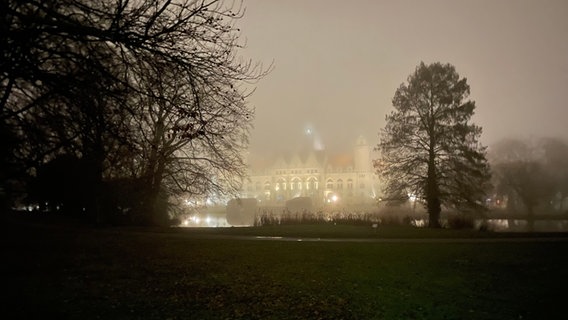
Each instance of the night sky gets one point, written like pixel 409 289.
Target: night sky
pixel 337 65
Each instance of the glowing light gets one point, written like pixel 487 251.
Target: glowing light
pixel 418 223
pixel 334 198
pixel 205 221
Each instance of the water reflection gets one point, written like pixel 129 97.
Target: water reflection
pixel 521 225
pixel 212 220
pixel 510 225
pixel 205 220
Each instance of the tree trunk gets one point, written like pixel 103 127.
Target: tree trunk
pixel 530 219
pixel 433 194
pixel 153 211
pixel 434 210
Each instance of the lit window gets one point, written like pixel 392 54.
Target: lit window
pixel 281 185
pixel 312 184
pixel 296 184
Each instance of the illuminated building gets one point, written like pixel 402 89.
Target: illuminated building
pixel 343 180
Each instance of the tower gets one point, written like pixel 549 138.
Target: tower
pixel 362 155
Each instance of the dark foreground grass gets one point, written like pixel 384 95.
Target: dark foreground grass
pixel 362 232
pixel 84 273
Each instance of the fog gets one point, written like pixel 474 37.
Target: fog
pixel 337 65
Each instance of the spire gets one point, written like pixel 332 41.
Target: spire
pixel 361 141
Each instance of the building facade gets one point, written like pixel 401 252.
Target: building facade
pixel 342 180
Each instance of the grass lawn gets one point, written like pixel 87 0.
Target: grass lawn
pixel 78 272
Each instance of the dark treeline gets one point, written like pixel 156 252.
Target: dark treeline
pixel 111 108
pixel 530 177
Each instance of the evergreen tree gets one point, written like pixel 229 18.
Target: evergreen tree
pixel 429 149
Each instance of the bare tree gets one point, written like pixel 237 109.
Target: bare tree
pixel 530 174
pixel 429 148
pixel 159 81
pixel 555 152
pixel 191 139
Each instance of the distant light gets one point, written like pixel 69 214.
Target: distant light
pixel 334 198
pixel 418 223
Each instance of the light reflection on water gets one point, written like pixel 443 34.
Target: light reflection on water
pixel 511 225
pixel 521 225
pixel 205 221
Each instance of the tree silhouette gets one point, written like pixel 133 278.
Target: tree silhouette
pixel 429 149
pixel 531 174
pixel 126 85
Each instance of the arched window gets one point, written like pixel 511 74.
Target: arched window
pixel 280 184
pixel 312 184
pixel 296 184
pixel 349 184
pixel 329 184
pixel 267 186
pixel 339 184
